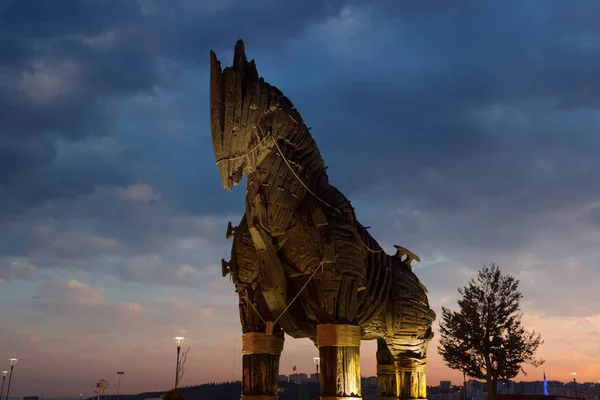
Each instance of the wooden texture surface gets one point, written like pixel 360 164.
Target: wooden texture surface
pixel 386 371
pixel 260 374
pixel 299 256
pixel 340 371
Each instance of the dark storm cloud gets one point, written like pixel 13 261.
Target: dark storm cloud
pixel 64 66
pixel 131 234
pixel 472 113
pixel 491 105
pixel 63 179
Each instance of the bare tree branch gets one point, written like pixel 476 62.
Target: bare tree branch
pixel 182 360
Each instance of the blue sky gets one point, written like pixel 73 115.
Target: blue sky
pixel 464 131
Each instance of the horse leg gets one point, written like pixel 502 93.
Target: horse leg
pixel 386 372
pixel 339 349
pixel 260 352
pixel 411 382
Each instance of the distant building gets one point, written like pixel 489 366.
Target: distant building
pixel 298 378
pixel 283 379
pixel 445 386
pixel 370 381
pixel 532 397
pixel 506 387
pixel 476 390
pixel 369 388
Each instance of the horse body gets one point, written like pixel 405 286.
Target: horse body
pixel 300 258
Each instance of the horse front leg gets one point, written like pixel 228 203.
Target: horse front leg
pixel 260 351
pixel 338 340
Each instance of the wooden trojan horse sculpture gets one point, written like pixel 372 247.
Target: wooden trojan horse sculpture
pixel 301 262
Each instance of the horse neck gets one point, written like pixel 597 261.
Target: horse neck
pixel 294 156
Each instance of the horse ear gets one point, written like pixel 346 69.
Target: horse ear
pixel 240 63
pixel 239 55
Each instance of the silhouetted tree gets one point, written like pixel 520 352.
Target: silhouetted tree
pixel 485 338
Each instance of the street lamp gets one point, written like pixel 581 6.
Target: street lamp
pixel 316 360
pixel 3 379
pixel 80 394
pixel 178 340
pixel 574 374
pixel 13 362
pixel 119 384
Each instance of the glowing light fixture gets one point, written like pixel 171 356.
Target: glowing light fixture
pixel 13 362
pixel 179 340
pixel 3 379
pixel 120 373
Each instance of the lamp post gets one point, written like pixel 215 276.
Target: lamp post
pixel 80 394
pixel 3 379
pixel 574 374
pixel 120 373
pixel 317 360
pixel 13 362
pixel 465 385
pixel 178 340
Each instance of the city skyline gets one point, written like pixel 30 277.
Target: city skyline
pixel 463 132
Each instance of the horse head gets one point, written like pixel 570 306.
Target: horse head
pixel 247 116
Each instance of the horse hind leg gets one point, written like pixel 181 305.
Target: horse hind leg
pixel 410 368
pixel 386 372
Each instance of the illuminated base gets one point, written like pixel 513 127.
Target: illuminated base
pixel 340 398
pixel 339 357
pixel 260 360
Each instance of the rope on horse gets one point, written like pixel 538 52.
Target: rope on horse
pixel 300 180
pixel 245 154
pixel 297 177
pixel 267 323
pixel 314 194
